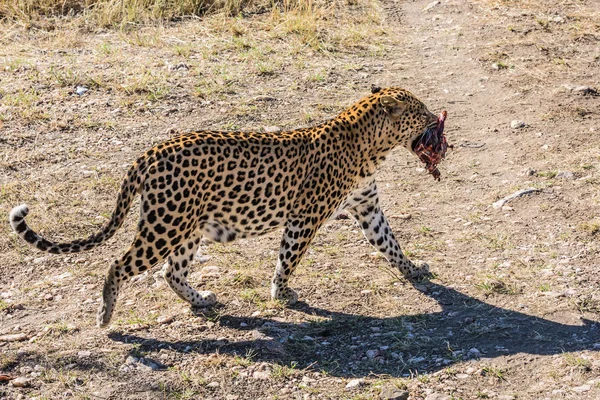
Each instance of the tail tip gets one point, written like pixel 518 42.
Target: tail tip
pixel 18 213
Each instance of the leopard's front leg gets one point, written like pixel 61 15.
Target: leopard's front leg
pixel 296 237
pixel 366 211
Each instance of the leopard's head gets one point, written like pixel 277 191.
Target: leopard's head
pixel 409 117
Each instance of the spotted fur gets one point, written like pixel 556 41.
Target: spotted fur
pixel 229 185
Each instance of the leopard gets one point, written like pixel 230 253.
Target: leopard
pixel 222 186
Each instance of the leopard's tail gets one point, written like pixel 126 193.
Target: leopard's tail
pixel 129 189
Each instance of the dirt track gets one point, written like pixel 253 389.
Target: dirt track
pixel 513 309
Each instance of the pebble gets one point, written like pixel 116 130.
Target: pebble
pixel 202 258
pixel 84 354
pixel 393 393
pixel 17 337
pixel 21 382
pixel 165 319
pixel 371 354
pixel 213 385
pixel 566 175
pixel 580 89
pixel 516 124
pixel 431 5
pixel 154 366
pixel 355 383
pixel 577 389
pixel 264 97
pixel 261 375
pixel 81 90
pixel 210 272
pixel 271 129
pixel 474 353
pixel 437 396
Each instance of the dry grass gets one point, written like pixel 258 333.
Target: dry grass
pixel 105 13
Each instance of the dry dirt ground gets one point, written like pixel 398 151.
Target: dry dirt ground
pixel 513 309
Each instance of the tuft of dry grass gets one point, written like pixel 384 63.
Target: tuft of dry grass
pixel 106 13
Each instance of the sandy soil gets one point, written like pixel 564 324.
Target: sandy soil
pixel 512 311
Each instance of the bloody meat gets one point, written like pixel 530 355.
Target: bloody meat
pixel 431 146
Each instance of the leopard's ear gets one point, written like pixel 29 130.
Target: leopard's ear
pixel 392 106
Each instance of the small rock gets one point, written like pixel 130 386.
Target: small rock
pixel 431 5
pixel 151 364
pixel 366 291
pixel 261 375
pixel 581 89
pixel 566 175
pixel 355 383
pixel 210 272
pixel 213 385
pixel 17 337
pixel 371 354
pixel 437 396
pixel 132 360
pixel 271 129
pixel 577 389
pixel 81 90
pixel 84 354
pixel 462 376
pixel 165 319
pixel 25 370
pixel 393 393
pixel 474 353
pixel 202 258
pixel 23 382
pixel 516 124
pixel 264 98
pixel 258 335
pixel 507 208
pixel 232 397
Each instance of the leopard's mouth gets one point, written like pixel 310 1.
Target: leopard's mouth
pixel 431 146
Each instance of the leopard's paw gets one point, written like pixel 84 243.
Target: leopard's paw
pixel 419 269
pixel 287 295
pixel 205 299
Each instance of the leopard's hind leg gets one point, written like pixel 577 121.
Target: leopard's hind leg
pixel 177 272
pixel 140 256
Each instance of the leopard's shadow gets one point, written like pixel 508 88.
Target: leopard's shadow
pixel 422 342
